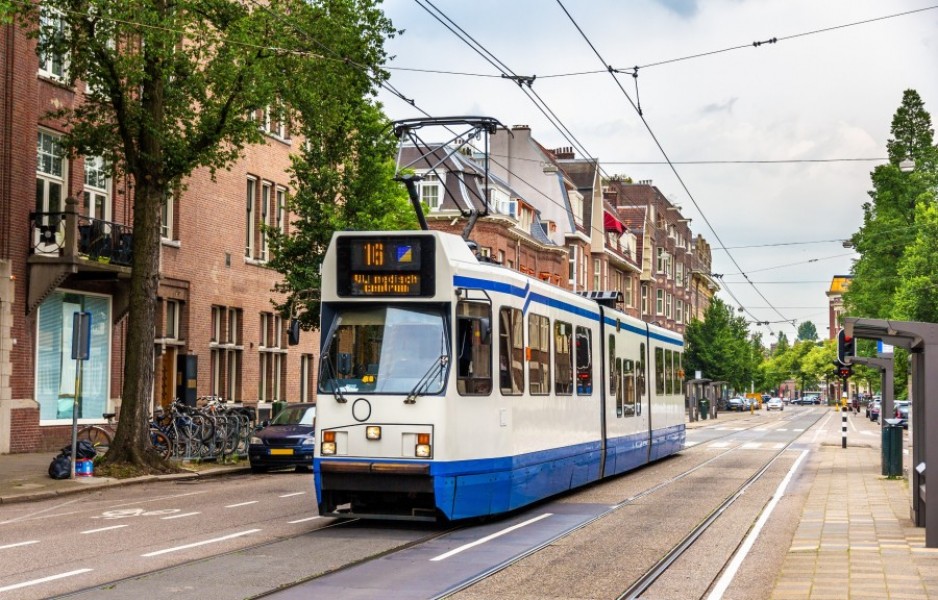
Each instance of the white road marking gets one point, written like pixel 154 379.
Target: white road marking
pixel 724 582
pixel 489 538
pixel 293 494
pixel 157 499
pixel 802 429
pixel 103 529
pixel 39 512
pixel 18 544
pixel 751 445
pixel 242 504
pixel 202 543
pixel 719 445
pixel 304 520
pixel 192 514
pixel 689 444
pixel 17 586
pixel 782 429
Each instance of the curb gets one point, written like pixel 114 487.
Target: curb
pixel 108 482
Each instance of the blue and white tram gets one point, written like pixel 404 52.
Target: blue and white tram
pixel 452 388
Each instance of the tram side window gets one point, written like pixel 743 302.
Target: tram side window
pixel 539 360
pixel 629 393
pixel 668 372
pixel 678 373
pixel 640 379
pixel 615 372
pixel 584 361
pixel 511 351
pixel 473 348
pixel 563 358
pixel 659 371
pixel 612 364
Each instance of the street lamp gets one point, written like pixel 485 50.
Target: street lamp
pixel 907 165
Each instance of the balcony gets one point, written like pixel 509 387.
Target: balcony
pixel 67 247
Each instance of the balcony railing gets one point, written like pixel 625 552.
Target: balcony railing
pixel 101 241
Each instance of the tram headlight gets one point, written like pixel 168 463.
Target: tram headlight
pixel 373 432
pixel 422 450
pixel 328 442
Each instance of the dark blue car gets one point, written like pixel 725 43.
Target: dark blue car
pixel 287 441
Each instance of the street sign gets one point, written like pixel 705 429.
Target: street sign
pixel 81 335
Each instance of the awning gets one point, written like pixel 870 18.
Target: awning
pixel 612 223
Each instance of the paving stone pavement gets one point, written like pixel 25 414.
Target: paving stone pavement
pixel 856 539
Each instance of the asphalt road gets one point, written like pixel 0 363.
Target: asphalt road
pixel 244 536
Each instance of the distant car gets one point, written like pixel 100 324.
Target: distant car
pixel 902 413
pixel 286 441
pixel 774 404
pixel 736 404
pixel 899 404
pixel 874 411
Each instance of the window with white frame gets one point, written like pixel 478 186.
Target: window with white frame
pixel 576 201
pixel 679 311
pixel 659 302
pixel 627 297
pixel 268 214
pixel 669 299
pixel 50 173
pixel 168 216
pixel 171 317
pixel 52 63
pixel 97 193
pixel 307 384
pixel 250 199
pixel 226 348
pixel 644 299
pixel 272 357
pixel 660 260
pixel 597 274
pixel 281 222
pixel 679 277
pixel 430 190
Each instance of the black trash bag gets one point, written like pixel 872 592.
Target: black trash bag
pixel 84 449
pixel 60 467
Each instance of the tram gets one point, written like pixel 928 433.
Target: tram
pixel 452 388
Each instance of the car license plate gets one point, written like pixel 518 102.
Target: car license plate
pixel 281 450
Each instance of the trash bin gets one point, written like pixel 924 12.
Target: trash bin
pixel 892 448
pixel 704 408
pixel 276 408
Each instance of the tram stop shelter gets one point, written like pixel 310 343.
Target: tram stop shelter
pixel 921 339
pixel 702 397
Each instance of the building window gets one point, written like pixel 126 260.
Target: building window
pixel 268 214
pixel 50 173
pixel 250 199
pixel 52 63
pixel 281 221
pixel 659 261
pixel 272 369
pixel 307 384
pixel 56 371
pixel 597 274
pixel 226 353
pixel 430 191
pixel 659 302
pixel 644 299
pixel 679 311
pixel 168 217
pixel 97 193
pixel 668 302
pixel 627 296
pixel 679 277
pixel 571 256
pixel 171 319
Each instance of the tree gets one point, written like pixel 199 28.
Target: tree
pixel 719 346
pixel 889 222
pixel 352 161
pixel 174 86
pixel 807 331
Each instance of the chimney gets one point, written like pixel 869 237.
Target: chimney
pixel 564 153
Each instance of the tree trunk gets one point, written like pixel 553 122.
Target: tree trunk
pixel 132 438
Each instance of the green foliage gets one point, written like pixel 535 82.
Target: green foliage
pixel 719 347
pixel 351 160
pixel 807 331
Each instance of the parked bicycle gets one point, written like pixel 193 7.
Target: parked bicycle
pixel 101 436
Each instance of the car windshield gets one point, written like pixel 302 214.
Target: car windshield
pixel 296 415
pixel 386 350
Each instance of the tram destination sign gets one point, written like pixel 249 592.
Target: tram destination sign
pixel 385 266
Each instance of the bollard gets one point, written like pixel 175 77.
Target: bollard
pixel 843 427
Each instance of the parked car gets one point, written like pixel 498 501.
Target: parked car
pixel 286 441
pixel 736 404
pixel 902 413
pixel 774 404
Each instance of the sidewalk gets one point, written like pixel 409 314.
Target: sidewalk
pixel 25 477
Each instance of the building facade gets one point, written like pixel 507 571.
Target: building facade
pixel 66 243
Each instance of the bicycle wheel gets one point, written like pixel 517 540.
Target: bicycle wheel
pixel 99 437
pixel 159 443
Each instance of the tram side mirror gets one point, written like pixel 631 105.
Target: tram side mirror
pixel 344 365
pixel 293 332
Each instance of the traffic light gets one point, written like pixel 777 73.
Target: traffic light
pixel 846 347
pixel 845 371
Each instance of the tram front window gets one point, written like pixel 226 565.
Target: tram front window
pixel 386 350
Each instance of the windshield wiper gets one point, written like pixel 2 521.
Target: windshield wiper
pixel 333 383
pixel 422 385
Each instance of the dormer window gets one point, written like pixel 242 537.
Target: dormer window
pixel 430 190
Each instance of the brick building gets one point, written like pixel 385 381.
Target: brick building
pixel 65 245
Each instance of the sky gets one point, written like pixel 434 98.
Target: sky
pixel 772 144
